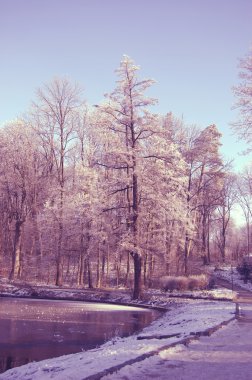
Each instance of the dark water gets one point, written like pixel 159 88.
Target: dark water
pixel 32 330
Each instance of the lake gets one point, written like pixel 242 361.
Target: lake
pixel 35 329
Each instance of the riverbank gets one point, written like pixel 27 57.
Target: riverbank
pixel 184 319
pixel 153 298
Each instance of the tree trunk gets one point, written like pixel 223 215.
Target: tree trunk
pixel 151 268
pixel 186 254
pixel 98 275
pixel 208 239
pixel 146 264
pixel 80 275
pixel 223 242
pixel 136 255
pixel 16 254
pixel 36 232
pixel 204 238
pixel 168 246
pixel 103 268
pixel 90 282
pixel 127 270
pixel 108 265
pixel 248 235
pixel 84 244
pixel 137 259
pixel 59 264
pixel 145 260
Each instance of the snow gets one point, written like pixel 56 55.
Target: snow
pixel 231 275
pixel 185 318
pixel 224 356
pixel 153 297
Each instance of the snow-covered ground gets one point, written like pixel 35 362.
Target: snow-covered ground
pixel 231 275
pixel 152 297
pixel 185 318
pixel 224 356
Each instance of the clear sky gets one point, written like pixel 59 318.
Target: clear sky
pixel 191 47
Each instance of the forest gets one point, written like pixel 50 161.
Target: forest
pixel 113 194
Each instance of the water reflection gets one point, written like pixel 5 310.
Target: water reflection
pixel 32 330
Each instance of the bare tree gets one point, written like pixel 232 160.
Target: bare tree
pixel 54 117
pixel 228 198
pixel 204 166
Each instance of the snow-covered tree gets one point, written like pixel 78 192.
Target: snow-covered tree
pixel 21 183
pixel 145 167
pixel 243 94
pixel 111 194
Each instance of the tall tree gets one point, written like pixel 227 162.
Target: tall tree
pixel 223 212
pixel 142 160
pixel 130 123
pixel 54 117
pixel 204 166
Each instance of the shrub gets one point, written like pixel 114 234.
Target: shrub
pixel 198 282
pixel 184 283
pixel 168 283
pixel 192 283
pixel 181 283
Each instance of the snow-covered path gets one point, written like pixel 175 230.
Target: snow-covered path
pixel 226 355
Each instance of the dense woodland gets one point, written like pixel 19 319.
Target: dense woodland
pixel 114 194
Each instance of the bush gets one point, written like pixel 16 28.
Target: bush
pixel 184 283
pixel 192 283
pixel 202 281
pixel 181 283
pixel 198 282
pixel 168 283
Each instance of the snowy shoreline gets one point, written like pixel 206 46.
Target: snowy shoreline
pixel 153 298
pixel 183 320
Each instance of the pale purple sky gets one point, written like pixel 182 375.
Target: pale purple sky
pixel 191 47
